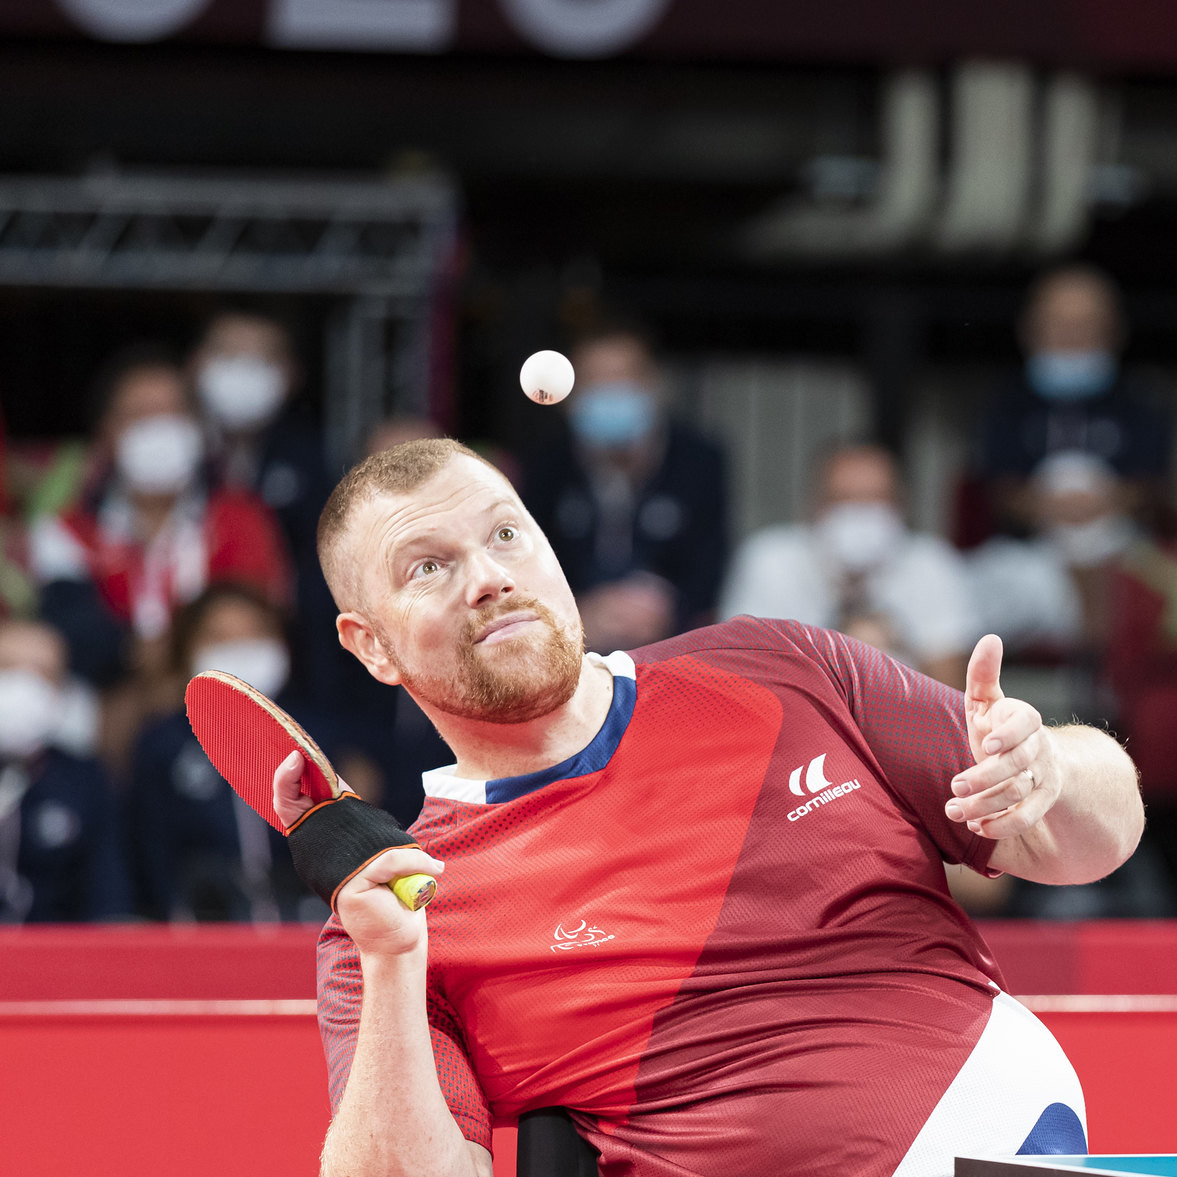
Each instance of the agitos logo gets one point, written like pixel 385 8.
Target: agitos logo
pixel 582 936
pixel 823 791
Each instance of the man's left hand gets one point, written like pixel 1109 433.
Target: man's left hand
pixel 1015 780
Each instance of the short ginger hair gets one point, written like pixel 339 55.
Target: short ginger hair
pixel 390 472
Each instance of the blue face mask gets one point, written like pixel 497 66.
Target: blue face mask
pixel 615 414
pixel 1070 375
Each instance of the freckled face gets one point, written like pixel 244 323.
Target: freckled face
pixel 466 599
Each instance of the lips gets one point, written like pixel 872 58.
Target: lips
pixel 506 621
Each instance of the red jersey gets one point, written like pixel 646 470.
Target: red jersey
pixel 721 934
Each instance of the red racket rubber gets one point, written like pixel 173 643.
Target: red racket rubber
pixel 246 736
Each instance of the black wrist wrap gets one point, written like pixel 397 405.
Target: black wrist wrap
pixel 336 839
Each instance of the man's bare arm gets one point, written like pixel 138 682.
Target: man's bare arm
pixel 393 1120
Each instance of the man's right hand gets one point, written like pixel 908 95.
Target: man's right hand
pixel 371 914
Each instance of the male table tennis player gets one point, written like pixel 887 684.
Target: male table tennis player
pixel 694 894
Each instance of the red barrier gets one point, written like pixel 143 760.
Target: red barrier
pixel 135 1052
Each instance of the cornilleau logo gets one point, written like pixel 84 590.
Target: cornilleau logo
pixel 823 791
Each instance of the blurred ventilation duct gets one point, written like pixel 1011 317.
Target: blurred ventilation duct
pixel 907 189
pixel 1020 153
pixel 1070 130
pixel 987 191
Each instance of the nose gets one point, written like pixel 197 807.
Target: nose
pixel 488 581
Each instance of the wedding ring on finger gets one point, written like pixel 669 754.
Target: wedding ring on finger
pixel 1028 773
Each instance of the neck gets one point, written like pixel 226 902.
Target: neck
pixel 487 751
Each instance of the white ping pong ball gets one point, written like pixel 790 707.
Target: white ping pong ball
pixel 547 377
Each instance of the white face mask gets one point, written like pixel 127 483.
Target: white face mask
pixel 264 663
pixel 159 454
pixel 858 536
pixel 241 392
pixel 29 711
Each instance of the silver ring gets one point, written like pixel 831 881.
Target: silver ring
pixel 1030 773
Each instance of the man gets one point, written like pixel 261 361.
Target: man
pixel 633 501
pixel 246 376
pixel 696 895
pixel 856 565
pixel 1074 395
pixel 61 850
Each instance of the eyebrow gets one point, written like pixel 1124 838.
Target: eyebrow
pixel 415 543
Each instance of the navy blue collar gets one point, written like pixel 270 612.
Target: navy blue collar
pixel 588 760
pixel 442 782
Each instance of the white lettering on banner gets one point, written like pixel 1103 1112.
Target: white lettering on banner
pixel 584 28
pixel 132 20
pixel 422 26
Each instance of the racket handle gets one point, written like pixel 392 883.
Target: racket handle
pixel 414 891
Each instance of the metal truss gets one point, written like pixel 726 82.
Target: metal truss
pixel 299 236
pixel 380 246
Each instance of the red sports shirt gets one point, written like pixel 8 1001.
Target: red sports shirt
pixel 721 934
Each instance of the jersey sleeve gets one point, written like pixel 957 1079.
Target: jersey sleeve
pixel 915 728
pixel 341 989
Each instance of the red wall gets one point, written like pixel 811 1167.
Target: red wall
pixel 187 1052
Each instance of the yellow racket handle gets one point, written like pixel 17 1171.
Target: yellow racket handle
pixel 414 891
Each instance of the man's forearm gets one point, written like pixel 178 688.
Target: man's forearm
pixel 1096 822
pixel 393 1120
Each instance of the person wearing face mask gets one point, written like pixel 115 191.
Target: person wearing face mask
pixel 198 852
pixel 246 379
pixel 856 567
pixel 633 500
pixel 1073 395
pixel 148 532
pixel 61 852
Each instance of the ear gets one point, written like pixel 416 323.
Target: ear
pixel 356 636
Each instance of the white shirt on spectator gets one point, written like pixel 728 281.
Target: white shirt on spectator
pixel 921 587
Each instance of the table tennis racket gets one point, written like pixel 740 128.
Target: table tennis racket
pixel 247 735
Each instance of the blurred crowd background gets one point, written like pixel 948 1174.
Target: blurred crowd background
pixel 871 309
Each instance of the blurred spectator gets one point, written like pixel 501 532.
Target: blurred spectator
pixel 261 440
pixel 856 567
pixel 1048 595
pixel 1073 395
pixel 199 852
pixel 633 500
pixel 61 856
pixel 148 534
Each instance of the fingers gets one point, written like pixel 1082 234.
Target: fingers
pixel 1013 732
pixel 397 863
pixel 982 678
pixel 1007 810
pixel 289 802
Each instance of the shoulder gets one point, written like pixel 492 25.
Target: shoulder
pixel 777 637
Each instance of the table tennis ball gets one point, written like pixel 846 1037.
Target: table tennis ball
pixel 546 377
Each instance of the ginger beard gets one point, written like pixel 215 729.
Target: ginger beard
pixel 515 681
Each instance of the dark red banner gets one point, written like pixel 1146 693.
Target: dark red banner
pixel 1109 34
